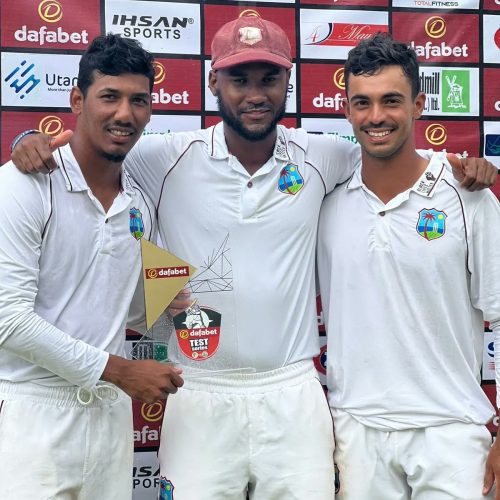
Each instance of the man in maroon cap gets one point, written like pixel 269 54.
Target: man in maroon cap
pixel 240 201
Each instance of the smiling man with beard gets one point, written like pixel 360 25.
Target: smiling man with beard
pixel 240 201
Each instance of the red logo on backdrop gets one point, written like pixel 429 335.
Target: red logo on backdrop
pixel 320 360
pixel 447 37
pixel 320 316
pixel 50 11
pixel 491 92
pixel 435 134
pixel 322 88
pixel 491 4
pixel 365 3
pixel 452 136
pixel 339 79
pixel 13 122
pixel 435 27
pixel 497 38
pixel 177 84
pixel 159 72
pixel 152 412
pixel 343 34
pixel 50 23
pixel 51 125
pixel 148 418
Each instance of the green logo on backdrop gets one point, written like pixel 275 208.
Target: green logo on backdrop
pixel 456 91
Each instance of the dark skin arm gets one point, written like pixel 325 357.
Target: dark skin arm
pixel 492 474
pixel 144 380
pixel 33 154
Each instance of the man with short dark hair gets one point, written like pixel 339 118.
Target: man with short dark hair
pixel 69 265
pixel 409 269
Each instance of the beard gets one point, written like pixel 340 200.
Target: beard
pixel 114 157
pixel 236 124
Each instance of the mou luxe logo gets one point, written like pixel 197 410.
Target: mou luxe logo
pixel 51 125
pixel 436 134
pixel 342 34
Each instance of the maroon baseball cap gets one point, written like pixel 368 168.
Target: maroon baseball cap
pixel 250 39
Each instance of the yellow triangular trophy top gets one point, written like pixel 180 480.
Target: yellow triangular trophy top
pixel 164 277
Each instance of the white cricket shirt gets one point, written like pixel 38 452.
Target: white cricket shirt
pixel 252 239
pixel 68 272
pixel 405 288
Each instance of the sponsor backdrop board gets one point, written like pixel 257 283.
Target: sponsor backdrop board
pixel 457 42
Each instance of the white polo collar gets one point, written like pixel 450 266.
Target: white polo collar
pixel 217 147
pixel 74 179
pixel 425 185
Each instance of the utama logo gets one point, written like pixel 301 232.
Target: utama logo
pixel 164 97
pixel 332 102
pixel 51 125
pixel 50 11
pixel 435 28
pixel 436 134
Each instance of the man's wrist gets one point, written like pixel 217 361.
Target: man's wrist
pixel 20 136
pixel 114 369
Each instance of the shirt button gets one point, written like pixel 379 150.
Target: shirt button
pixel 382 213
pixel 249 184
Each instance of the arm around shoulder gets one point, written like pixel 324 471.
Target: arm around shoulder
pixel 335 156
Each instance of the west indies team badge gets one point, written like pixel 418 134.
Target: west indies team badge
pixel 431 223
pixel 198 332
pixel 136 223
pixel 290 180
pixel 166 491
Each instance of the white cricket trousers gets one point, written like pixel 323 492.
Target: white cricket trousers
pixel 444 462
pixel 53 447
pixel 269 431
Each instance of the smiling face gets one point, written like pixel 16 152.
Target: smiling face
pixel 251 97
pixel 382 111
pixel 112 114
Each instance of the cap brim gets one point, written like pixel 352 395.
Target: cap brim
pixel 251 56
